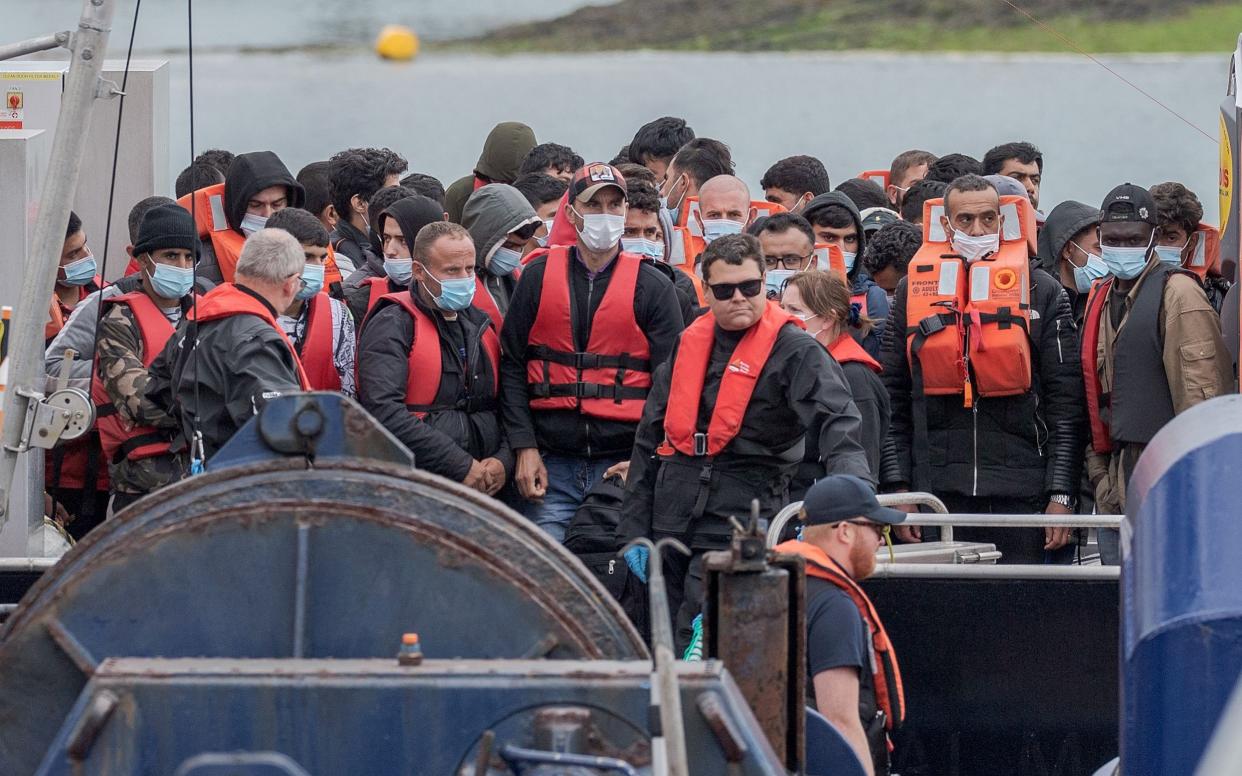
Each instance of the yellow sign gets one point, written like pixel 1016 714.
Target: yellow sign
pixel 1226 175
pixel 31 76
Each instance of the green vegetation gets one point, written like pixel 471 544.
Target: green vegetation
pixel 932 25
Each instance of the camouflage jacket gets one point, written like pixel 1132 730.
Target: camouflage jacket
pixel 119 354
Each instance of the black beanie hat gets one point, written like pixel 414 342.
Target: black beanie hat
pixel 166 226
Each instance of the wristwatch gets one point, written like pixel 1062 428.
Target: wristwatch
pixel 1064 499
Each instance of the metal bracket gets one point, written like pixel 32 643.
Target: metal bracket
pixel 106 89
pixel 66 415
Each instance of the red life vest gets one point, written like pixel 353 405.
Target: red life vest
pixel 484 301
pixel 967 324
pixel 845 349
pixel 611 378
pixel 1097 304
pixel 889 693
pixel 227 300
pixel 121 443
pixel 422 376
pixel 207 206
pixel 58 313
pixel 736 385
pixel 379 288
pixel 318 349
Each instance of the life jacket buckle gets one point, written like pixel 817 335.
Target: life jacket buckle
pixel 930 325
pixel 700 444
pixel 590 391
pixel 586 360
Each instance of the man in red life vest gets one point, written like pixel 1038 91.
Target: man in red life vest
pixel 136 434
pixel 854 677
pixel 587 325
pixel 230 356
pixel 725 423
pixel 429 362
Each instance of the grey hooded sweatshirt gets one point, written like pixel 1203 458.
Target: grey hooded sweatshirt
pixel 491 214
pixel 1066 220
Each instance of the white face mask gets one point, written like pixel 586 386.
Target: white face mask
pixel 973 248
pixel 252 223
pixel 601 231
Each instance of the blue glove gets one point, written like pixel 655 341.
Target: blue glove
pixel 636 559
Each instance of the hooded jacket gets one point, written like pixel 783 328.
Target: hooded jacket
pixel 248 175
pixel 491 214
pixel 860 281
pixel 1066 220
pixel 412 214
pixel 506 146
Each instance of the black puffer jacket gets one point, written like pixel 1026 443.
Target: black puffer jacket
pixel 1019 447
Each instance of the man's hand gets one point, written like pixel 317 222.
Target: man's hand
pixel 60 515
pixel 531 475
pixel 495 475
pixel 910 534
pixel 1056 537
pixel 621 469
pixel 477 477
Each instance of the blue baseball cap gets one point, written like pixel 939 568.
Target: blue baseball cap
pixel 845 497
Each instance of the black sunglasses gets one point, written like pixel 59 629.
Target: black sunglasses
pixel 724 291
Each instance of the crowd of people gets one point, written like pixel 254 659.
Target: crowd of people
pixel 544 327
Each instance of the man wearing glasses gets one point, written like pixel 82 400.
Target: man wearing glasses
pixel 855 679
pixel 725 420
pixel 788 244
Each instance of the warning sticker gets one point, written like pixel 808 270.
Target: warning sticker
pixel 31 76
pixel 1226 175
pixel 14 112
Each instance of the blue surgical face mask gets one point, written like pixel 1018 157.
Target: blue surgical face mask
pixel 399 271
pixel 547 227
pixel 774 280
pixel 252 223
pixel 455 293
pixel 80 272
pixel 504 261
pixel 850 257
pixel 1125 263
pixel 651 249
pixel 1171 254
pixel 171 282
pixel 1093 270
pixel 714 228
pixel 312 281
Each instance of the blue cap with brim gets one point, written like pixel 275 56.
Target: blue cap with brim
pixel 845 497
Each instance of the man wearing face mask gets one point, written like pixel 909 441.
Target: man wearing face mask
pixel 725 423
pixel 795 181
pixel 502 224
pixel 644 237
pixel 697 162
pixel 257 185
pixel 320 327
pixel 77 278
pixel 1069 248
pixel 355 175
pixel 981 364
pixel 788 248
pixel 836 221
pixel 585 328
pixel 1152 348
pixel 230 356
pixel 428 365
pixel 1184 240
pixel 372 265
pixel 136 434
pixel 397 226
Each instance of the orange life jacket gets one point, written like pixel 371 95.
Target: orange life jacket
pixel 484 301
pixel 845 349
pixel 58 313
pixel 318 349
pixel 967 325
pixel 422 376
pixel 611 379
pixel 207 206
pixel 1206 256
pixel 737 384
pixel 889 693
pixel 1097 304
pixel 121 443
pixel 331 272
pixel 830 259
pixel 227 300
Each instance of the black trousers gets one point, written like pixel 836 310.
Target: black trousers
pixel 683 579
pixel 1017 545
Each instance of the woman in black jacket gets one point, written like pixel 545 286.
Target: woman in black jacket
pixel 821 300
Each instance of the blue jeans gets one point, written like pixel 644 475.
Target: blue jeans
pixel 1110 549
pixel 569 479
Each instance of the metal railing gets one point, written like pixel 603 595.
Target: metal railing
pixel 941 517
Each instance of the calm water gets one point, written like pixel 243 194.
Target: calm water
pixel 854 111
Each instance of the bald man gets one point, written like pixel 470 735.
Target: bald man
pixel 724 207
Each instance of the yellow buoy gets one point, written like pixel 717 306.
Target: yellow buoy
pixel 397 42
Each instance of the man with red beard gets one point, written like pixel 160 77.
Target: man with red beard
pixel 855 680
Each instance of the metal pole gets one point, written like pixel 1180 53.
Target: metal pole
pixel 974 571
pixel 24 47
pixel 1038 520
pixel 87 47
